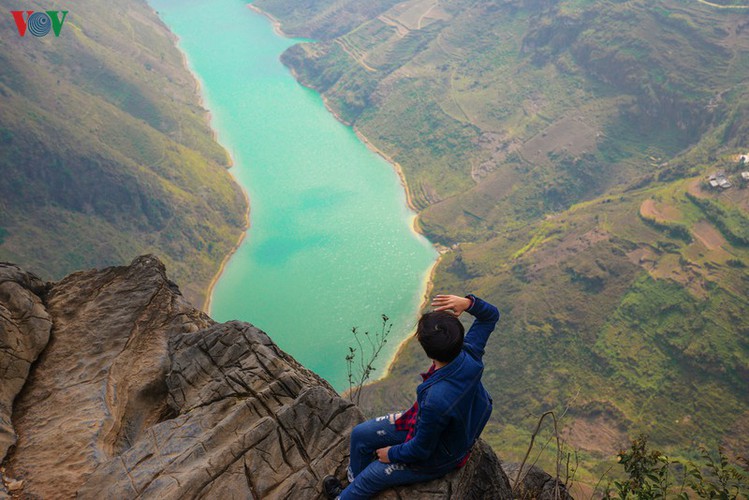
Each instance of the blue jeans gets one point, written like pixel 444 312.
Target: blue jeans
pixel 369 474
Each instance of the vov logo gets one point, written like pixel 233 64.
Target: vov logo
pixel 39 24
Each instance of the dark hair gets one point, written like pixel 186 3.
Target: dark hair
pixel 441 335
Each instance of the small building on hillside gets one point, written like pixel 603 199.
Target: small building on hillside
pixel 719 180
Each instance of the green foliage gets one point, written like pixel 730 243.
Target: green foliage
pixel 652 475
pixel 647 470
pixel 591 284
pixel 732 222
pixel 574 179
pixel 672 229
pixel 718 478
pixel 736 263
pixel 3 234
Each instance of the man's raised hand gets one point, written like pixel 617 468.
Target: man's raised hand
pixel 451 303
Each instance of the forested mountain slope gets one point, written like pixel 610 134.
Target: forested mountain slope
pixel 560 150
pixel 105 151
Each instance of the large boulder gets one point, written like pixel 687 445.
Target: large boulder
pixel 100 383
pixel 248 422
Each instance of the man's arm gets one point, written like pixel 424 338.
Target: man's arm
pixel 422 445
pixel 486 318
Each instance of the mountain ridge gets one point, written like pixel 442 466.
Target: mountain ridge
pixel 107 152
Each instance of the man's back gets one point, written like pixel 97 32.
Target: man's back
pixel 453 404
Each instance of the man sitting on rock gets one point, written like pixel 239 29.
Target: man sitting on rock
pixel 436 434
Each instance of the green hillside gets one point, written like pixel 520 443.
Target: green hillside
pixel 105 152
pixel 560 151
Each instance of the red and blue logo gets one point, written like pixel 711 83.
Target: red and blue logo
pixel 39 24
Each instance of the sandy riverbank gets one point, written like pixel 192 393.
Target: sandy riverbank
pixel 209 291
pixel 208 294
pixel 275 22
pixel 206 307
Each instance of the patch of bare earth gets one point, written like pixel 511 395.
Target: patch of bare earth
pixel 572 134
pixel 599 434
pixel 581 490
pixel 708 235
pixel 643 256
pixel 417 14
pixel 499 145
pixel 651 209
pixel 738 197
pixel 735 442
pixel 567 247
pixel 669 266
pixel 688 274
pixel 695 189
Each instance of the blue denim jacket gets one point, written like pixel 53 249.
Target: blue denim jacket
pixel 453 404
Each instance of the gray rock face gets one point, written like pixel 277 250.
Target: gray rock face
pixel 24 332
pixel 250 423
pixel 100 383
pixel 139 395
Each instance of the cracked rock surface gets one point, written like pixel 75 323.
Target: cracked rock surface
pixel 119 388
pixel 100 381
pixel 250 422
pixel 24 332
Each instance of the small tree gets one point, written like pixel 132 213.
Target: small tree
pixel 648 472
pixel 360 359
pixel 718 478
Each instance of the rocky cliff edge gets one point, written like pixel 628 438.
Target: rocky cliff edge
pixel 113 385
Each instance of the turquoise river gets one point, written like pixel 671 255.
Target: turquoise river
pixel 330 244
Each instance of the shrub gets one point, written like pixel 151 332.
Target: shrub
pixel 672 229
pixel 652 475
pixel 730 221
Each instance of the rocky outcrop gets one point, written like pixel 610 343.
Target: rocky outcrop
pixel 136 394
pixel 100 383
pixel 248 422
pixel 482 478
pixel 24 332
